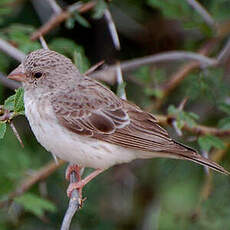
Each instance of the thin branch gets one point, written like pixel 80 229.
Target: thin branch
pixel 202 12
pixel 112 29
pixel 28 182
pixel 43 43
pixel 56 8
pixel 74 204
pixel 175 126
pixel 196 129
pixel 94 67
pixel 120 81
pixel 57 19
pixel 224 54
pixel 116 43
pixel 108 74
pixel 16 133
pixel 169 56
pixel 11 50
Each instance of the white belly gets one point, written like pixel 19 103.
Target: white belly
pixel 84 151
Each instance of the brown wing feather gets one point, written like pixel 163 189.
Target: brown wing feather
pixel 91 109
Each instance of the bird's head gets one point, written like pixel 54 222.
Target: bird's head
pixel 45 69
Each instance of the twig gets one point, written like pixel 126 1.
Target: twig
pixel 11 50
pixel 120 81
pixel 94 67
pixel 203 12
pixel 43 43
pixel 196 129
pixel 112 29
pixel 16 133
pixel 224 53
pixel 57 19
pixel 8 83
pixel 116 43
pixel 56 8
pixel 27 183
pixel 169 56
pixel 174 122
pixel 175 126
pixel 74 204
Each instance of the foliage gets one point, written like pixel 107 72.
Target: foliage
pixel 207 142
pixel 183 117
pixel 35 204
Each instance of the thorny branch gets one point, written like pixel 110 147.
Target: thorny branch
pixel 57 19
pixel 196 129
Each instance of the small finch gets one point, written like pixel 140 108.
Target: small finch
pixel 81 121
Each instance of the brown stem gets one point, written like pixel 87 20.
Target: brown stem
pixel 57 19
pixel 196 129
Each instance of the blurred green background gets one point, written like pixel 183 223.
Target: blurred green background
pixel 156 194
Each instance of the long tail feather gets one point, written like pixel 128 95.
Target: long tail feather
pixel 191 155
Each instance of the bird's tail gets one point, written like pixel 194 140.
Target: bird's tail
pixel 190 154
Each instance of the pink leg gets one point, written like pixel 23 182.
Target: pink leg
pixel 73 168
pixel 81 183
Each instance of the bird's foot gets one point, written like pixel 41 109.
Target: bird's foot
pixel 73 168
pixel 81 183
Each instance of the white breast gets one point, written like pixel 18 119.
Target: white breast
pixel 69 146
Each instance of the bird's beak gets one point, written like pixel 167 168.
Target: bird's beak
pixel 18 74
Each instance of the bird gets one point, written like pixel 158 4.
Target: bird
pixel 83 122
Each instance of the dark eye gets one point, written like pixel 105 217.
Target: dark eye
pixel 38 75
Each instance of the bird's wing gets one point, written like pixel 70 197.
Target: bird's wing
pixel 90 109
pixel 97 112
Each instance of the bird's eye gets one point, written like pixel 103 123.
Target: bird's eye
pixel 37 74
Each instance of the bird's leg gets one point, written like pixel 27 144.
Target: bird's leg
pixel 77 169
pixel 81 183
pixel 73 168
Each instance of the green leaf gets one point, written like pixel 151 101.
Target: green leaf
pixel 224 107
pixel 99 9
pixel 143 74
pixel 20 34
pixel 81 20
pixel 64 46
pixel 158 93
pixel 80 60
pixel 9 103
pixel 224 123
pixel 35 204
pixel 172 110
pixel 18 101
pixel 189 117
pixel 208 141
pixel 69 23
pixel 183 117
pixel 2 129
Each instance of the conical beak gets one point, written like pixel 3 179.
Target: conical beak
pixel 18 74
